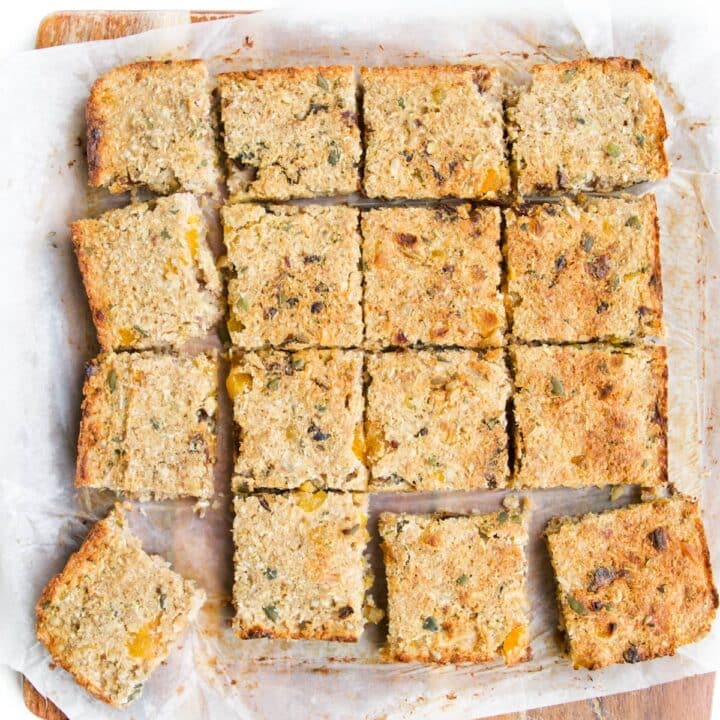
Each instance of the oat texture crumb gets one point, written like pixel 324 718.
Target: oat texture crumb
pixel 432 276
pixel 298 419
pixel 590 415
pixel 592 124
pixel 435 420
pixel 585 271
pixel 295 275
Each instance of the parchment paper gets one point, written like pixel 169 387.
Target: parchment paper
pixel 48 337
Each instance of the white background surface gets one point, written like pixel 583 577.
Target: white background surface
pixel 17 32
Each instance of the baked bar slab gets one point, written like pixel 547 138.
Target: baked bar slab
pixel 149 274
pixel 581 272
pixel 435 420
pixel 149 124
pixel 298 419
pixel 593 124
pixel 456 587
pixel 299 566
pixel 148 425
pixel 632 584
pixel 434 132
pixel 114 613
pixel 592 415
pixel 295 275
pixel 432 276
pixel 290 132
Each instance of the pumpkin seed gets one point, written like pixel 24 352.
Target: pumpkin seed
pixel 576 605
pixel 430 623
pixel 334 154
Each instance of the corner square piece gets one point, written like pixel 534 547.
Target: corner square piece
pixel 149 124
pixel 632 584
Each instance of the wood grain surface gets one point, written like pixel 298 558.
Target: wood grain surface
pixel 688 698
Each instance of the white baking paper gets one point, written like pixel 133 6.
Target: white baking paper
pixel 48 337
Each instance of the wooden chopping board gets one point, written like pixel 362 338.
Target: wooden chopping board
pixel 689 698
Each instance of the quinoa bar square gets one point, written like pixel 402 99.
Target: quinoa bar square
pixel 290 132
pixel 592 124
pixel 581 272
pixel 435 420
pixel 295 275
pixel 434 132
pixel 148 425
pixel 299 566
pixel 150 124
pixel 456 587
pixel 298 420
pixel 149 274
pixel 632 584
pixel 590 415
pixel 432 276
pixel 114 613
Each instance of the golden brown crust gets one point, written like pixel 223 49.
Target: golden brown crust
pixel 660 376
pixel 606 63
pixel 87 553
pixel 118 156
pixel 81 233
pixel 590 415
pixel 591 124
pixel 584 271
pixel 634 583
pixel 285 73
pixel 261 631
pixel 432 276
